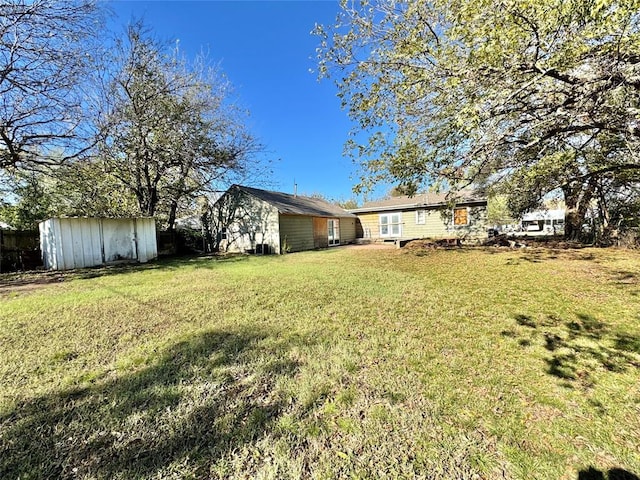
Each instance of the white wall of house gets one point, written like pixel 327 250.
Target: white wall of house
pixel 253 222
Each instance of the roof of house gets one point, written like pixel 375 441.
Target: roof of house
pixel 420 200
pixel 296 204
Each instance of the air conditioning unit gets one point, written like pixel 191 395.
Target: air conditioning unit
pixel 262 249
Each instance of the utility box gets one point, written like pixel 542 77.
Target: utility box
pixel 68 243
pixel 262 249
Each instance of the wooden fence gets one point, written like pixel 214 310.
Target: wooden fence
pixel 19 250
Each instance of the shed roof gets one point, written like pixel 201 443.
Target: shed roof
pixel 296 204
pixel 420 200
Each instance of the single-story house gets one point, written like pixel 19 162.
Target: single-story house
pixel 425 215
pixel 262 221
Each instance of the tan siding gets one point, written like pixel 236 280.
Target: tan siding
pixel 297 232
pixel 370 225
pixel 347 230
pixel 435 226
pixel 307 233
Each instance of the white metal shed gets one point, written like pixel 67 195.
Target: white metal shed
pixel 68 243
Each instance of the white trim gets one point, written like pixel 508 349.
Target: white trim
pixel 424 216
pixel 332 231
pixel 390 225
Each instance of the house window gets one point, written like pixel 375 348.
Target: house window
pixel 461 216
pixel 223 233
pixel 390 225
pixel 421 217
pixel 333 225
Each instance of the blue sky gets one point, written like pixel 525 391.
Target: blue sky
pixel 266 50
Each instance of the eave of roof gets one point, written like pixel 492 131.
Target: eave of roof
pixel 414 206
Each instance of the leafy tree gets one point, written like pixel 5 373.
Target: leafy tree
pixel 398 191
pixel 519 96
pixel 84 189
pixel 342 203
pixel 318 195
pixel 169 131
pixel 33 200
pixel 45 48
pixel 348 204
pixel 75 189
pixel 498 212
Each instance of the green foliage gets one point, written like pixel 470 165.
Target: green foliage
pixel 75 189
pixel 169 131
pixel 34 200
pixel 348 204
pixel 522 97
pixel 498 212
pixel 86 190
pixel 397 191
pixel 341 202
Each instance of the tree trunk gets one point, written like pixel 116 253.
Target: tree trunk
pixel 577 197
pixel 172 216
pixel 572 224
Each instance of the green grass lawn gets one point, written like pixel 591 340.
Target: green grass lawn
pixel 343 363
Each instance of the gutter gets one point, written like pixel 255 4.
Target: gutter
pixel 414 206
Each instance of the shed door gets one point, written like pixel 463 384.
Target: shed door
pixel 333 226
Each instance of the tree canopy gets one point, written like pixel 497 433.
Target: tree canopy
pixel 169 129
pixel 77 189
pixel 45 54
pixel 520 97
pixel 91 125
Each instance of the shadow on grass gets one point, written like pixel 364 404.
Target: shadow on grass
pixel 166 263
pixel 625 277
pixel 578 347
pixel 612 474
pixel 540 254
pixel 525 321
pixel 197 401
pixel 43 277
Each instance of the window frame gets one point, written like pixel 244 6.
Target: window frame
pixel 390 224
pixel 333 231
pixel 422 212
pixel 467 217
